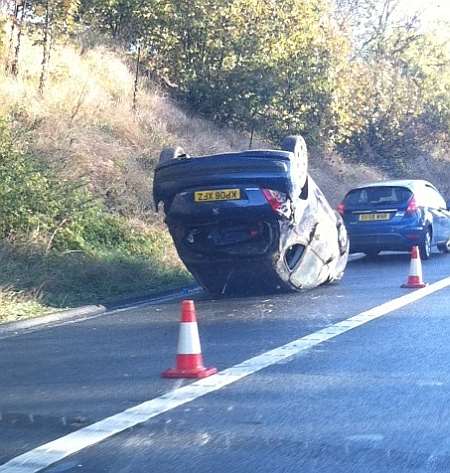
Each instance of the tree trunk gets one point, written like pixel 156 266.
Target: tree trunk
pixel 44 49
pixel 136 78
pixel 11 35
pixel 51 40
pixel 15 61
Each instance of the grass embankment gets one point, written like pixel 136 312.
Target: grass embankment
pixel 76 220
pixel 33 282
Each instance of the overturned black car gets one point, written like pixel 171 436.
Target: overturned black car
pixel 251 220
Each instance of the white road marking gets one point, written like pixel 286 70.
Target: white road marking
pixel 42 457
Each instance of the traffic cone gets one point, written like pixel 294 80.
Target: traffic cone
pixel 415 271
pixel 189 361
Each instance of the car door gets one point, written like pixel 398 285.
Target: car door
pixel 447 223
pixel 444 216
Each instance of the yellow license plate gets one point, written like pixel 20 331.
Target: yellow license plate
pixel 217 194
pixel 373 217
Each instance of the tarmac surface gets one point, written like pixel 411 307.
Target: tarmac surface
pixel 371 399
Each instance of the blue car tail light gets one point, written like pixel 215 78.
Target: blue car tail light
pixel 412 207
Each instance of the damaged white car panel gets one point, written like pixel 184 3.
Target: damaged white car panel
pixel 252 220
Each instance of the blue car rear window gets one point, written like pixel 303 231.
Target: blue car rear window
pixel 377 195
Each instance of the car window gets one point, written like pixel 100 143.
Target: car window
pixel 388 195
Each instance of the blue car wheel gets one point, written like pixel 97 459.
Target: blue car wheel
pixel 425 245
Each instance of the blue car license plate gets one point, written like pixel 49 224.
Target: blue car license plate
pixel 374 217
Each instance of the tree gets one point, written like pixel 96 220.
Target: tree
pixel 369 24
pixel 119 18
pixel 53 19
pixel 394 100
pixel 17 11
pixel 264 64
pixel 387 103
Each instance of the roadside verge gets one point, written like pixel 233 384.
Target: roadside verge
pixel 84 312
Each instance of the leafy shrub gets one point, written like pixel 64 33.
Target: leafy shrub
pixel 35 203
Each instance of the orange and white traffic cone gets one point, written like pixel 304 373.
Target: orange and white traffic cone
pixel 189 361
pixel 415 271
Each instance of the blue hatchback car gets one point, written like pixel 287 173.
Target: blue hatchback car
pixel 396 215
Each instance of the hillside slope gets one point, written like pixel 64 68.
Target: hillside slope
pixel 84 129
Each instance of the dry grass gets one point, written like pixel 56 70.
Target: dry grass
pixel 335 176
pixel 85 126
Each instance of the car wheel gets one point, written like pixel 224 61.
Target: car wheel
pixel 343 240
pixel 297 146
pixel 425 245
pixel 171 153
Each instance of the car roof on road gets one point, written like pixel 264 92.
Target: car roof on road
pixel 409 183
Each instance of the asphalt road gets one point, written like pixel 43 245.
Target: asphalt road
pixel 372 399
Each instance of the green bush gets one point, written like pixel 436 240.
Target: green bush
pixel 36 204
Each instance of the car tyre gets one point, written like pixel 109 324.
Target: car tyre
pixel 296 145
pixel 171 153
pixel 425 245
pixel 444 247
pixel 343 241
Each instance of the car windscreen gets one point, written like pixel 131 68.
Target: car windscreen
pixel 376 196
